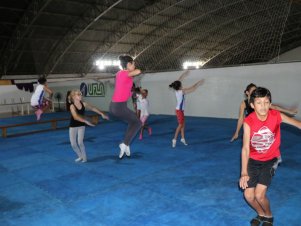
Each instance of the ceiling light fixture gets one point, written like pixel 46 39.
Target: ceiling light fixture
pixel 195 64
pixel 102 64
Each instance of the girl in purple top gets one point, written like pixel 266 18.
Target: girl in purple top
pixel 118 106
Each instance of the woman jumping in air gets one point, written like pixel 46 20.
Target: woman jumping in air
pixel 118 106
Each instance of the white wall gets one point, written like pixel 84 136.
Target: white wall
pixel 223 90
pixel 100 102
pixel 9 94
pixel 220 96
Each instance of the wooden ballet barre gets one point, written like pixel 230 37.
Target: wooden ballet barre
pixel 53 123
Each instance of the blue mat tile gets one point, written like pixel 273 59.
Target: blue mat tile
pixel 159 185
pixel 28 160
pixel 8 178
pixel 49 170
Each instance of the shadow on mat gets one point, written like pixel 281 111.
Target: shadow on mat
pixel 6 205
pixel 136 155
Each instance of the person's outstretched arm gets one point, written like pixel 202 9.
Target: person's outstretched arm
pixel 49 91
pixel 245 153
pixel 240 120
pixel 96 110
pixel 193 87
pixel 134 72
pixel 78 117
pixel 284 110
pixel 183 75
pixel 290 121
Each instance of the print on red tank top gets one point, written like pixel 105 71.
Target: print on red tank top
pixel 262 140
pixel 264 136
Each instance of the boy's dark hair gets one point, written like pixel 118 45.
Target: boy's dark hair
pixel 124 60
pixel 42 80
pixel 176 85
pixel 249 87
pixel 260 92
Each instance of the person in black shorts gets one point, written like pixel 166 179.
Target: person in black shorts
pixel 261 143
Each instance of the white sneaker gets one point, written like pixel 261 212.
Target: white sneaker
pixel 78 159
pixel 128 151
pixel 122 147
pixel 184 141
pixel 174 142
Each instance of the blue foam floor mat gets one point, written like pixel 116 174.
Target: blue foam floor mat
pixel 158 185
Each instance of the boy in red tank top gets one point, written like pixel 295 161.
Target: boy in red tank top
pixel 261 142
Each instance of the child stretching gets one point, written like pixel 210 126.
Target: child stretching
pixel 180 95
pixel 144 113
pixel 261 142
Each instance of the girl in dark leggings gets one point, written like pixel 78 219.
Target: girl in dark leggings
pixel 118 106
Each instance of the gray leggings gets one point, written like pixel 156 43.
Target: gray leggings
pixel 76 135
pixel 121 111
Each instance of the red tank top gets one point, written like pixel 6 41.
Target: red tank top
pixel 264 136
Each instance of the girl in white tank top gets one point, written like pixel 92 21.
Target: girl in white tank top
pixel 180 96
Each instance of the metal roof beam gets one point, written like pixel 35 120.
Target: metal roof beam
pixel 148 43
pixel 196 10
pixel 75 32
pixel 126 27
pixel 207 33
pixel 22 29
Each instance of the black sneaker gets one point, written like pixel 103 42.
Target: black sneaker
pixel 267 221
pixel 256 221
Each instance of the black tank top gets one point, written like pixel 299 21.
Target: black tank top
pixel 248 109
pixel 81 112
